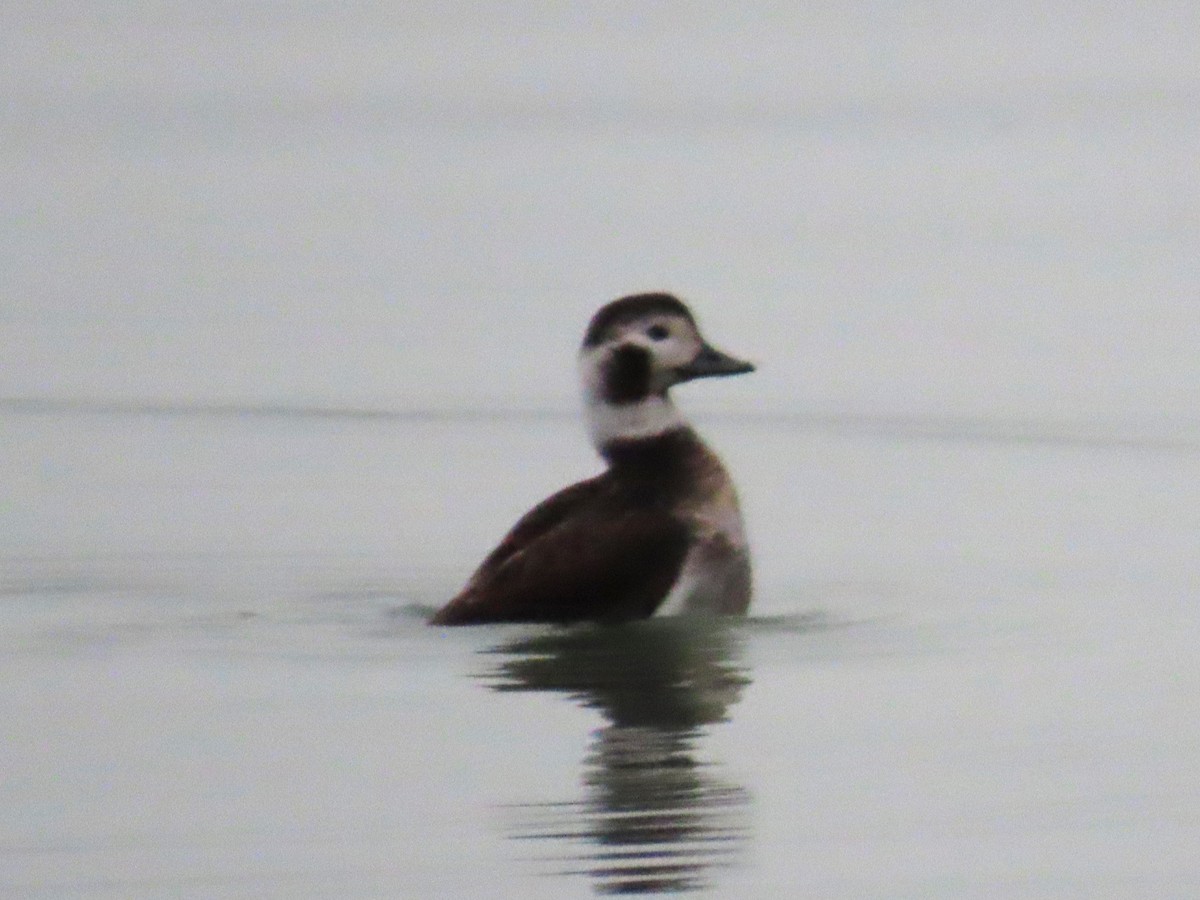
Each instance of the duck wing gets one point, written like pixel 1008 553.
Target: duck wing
pixel 586 553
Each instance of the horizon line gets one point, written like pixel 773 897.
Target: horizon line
pixel 1169 435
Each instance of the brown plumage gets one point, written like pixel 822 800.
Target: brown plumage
pixel 610 547
pixel 587 552
pixel 663 515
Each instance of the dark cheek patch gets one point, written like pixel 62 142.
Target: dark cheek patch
pixel 627 375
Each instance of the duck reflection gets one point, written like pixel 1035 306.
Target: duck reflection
pixel 655 816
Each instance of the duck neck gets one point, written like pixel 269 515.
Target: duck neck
pixel 663 456
pixel 611 424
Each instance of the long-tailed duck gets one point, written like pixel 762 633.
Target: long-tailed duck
pixel 660 531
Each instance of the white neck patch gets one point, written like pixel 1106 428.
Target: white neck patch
pixel 609 422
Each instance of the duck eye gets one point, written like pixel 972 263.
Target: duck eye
pixel 658 332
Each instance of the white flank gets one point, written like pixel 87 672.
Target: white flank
pixel 690 576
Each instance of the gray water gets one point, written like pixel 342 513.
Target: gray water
pixel 290 295
pixel 968 672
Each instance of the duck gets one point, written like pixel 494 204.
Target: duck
pixel 660 530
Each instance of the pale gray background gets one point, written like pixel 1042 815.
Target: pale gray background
pixel 905 209
pixel 960 240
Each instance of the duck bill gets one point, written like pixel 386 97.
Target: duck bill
pixel 712 363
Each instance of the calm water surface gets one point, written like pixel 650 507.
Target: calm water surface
pixel 970 671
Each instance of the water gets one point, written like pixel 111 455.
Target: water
pixel 968 671
pixel 289 303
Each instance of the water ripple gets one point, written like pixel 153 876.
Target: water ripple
pixel 655 815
